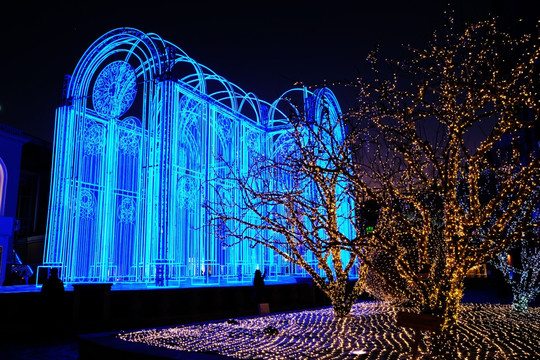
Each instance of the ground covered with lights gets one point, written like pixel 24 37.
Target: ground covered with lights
pixel 485 332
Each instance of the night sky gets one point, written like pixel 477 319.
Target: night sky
pixel 264 47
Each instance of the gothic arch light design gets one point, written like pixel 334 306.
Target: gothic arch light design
pixel 137 140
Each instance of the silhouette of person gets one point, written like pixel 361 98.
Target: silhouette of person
pixel 53 292
pixel 260 290
pixel 53 285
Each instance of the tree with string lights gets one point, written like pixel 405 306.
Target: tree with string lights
pixel 522 274
pixel 431 131
pixel 297 202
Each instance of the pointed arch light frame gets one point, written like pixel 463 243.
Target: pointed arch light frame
pixel 136 140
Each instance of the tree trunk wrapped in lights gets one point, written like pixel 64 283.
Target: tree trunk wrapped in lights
pixel 296 201
pixel 428 136
pixel 522 273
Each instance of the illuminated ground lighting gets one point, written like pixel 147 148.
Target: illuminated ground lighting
pixel 485 332
pixel 359 352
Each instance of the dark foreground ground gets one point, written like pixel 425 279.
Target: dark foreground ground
pixel 22 345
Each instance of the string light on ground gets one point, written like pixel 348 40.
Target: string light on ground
pixel 370 332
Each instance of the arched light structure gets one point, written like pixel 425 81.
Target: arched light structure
pixel 141 133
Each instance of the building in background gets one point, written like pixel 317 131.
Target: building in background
pixel 25 170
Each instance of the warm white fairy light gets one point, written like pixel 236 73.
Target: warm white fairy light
pixel 409 148
pixel 455 182
pixel 484 332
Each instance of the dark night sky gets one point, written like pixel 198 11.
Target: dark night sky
pixel 263 47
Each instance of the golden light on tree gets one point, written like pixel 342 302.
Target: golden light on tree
pixel 433 159
pixel 439 147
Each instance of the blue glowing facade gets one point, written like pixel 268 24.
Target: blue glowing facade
pixel 140 142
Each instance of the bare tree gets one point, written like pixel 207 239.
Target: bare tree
pixel 295 201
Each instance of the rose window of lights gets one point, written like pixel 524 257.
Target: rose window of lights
pixel 115 89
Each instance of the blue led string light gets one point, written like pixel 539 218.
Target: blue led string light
pixel 138 142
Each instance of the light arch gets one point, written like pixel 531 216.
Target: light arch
pixel 129 179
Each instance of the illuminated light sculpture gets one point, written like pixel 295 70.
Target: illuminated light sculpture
pixel 139 140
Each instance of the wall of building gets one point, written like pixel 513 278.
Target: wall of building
pixel 25 182
pixel 11 142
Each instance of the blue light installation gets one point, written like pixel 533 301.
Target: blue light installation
pixel 115 89
pixel 139 139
